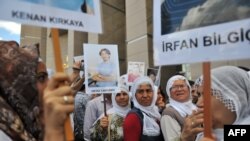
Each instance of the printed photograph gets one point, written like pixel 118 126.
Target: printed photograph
pixel 85 6
pixel 152 73
pixel 101 68
pixel 135 70
pixel 179 15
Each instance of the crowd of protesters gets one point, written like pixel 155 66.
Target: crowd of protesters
pixel 34 107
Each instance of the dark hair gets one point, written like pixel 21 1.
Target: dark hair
pixel 244 68
pixel 191 82
pixel 82 88
pixel 84 7
pixel 164 95
pixel 1 91
pixel 151 72
pixel 106 50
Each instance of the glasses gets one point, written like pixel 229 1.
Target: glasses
pixel 42 77
pixel 177 87
pixel 142 91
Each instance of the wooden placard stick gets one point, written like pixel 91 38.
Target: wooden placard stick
pixel 59 68
pixel 207 100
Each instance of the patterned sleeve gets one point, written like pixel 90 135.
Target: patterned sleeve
pixel 79 112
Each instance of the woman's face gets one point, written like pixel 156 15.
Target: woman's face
pixel 144 94
pixel 159 95
pixel 105 56
pixel 221 115
pixel 122 99
pixel 194 94
pixel 180 91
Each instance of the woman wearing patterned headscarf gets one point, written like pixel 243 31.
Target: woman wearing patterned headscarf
pixel 19 104
pixel 19 96
pixel 180 105
pixel 109 128
pixel 142 122
pixel 230 100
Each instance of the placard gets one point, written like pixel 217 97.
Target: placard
pixel 188 31
pixel 101 68
pixel 80 15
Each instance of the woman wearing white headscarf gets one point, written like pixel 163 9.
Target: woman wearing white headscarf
pixel 180 106
pixel 230 100
pixel 109 128
pixel 142 122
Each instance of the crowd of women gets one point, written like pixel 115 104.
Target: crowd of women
pixel 34 107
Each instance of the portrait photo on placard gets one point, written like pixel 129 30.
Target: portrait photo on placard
pixel 152 74
pixel 101 68
pixel 135 70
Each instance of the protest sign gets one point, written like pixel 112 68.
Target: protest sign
pixel 80 15
pixel 101 68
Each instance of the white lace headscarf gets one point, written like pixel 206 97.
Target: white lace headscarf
pixel 184 108
pixel 231 85
pixel 150 113
pixel 121 111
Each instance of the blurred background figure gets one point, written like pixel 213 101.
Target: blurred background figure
pixel 162 100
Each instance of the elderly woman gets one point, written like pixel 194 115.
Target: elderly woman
pixel 230 102
pixel 142 122
pixel 109 127
pixel 180 105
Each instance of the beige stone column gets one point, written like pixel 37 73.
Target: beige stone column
pixel 70 49
pixel 136 35
pixel 139 36
pixel 49 51
pixel 93 38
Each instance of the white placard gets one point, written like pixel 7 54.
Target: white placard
pixel 200 31
pixel 101 68
pixel 80 15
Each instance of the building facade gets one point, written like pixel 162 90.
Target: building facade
pixel 127 23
